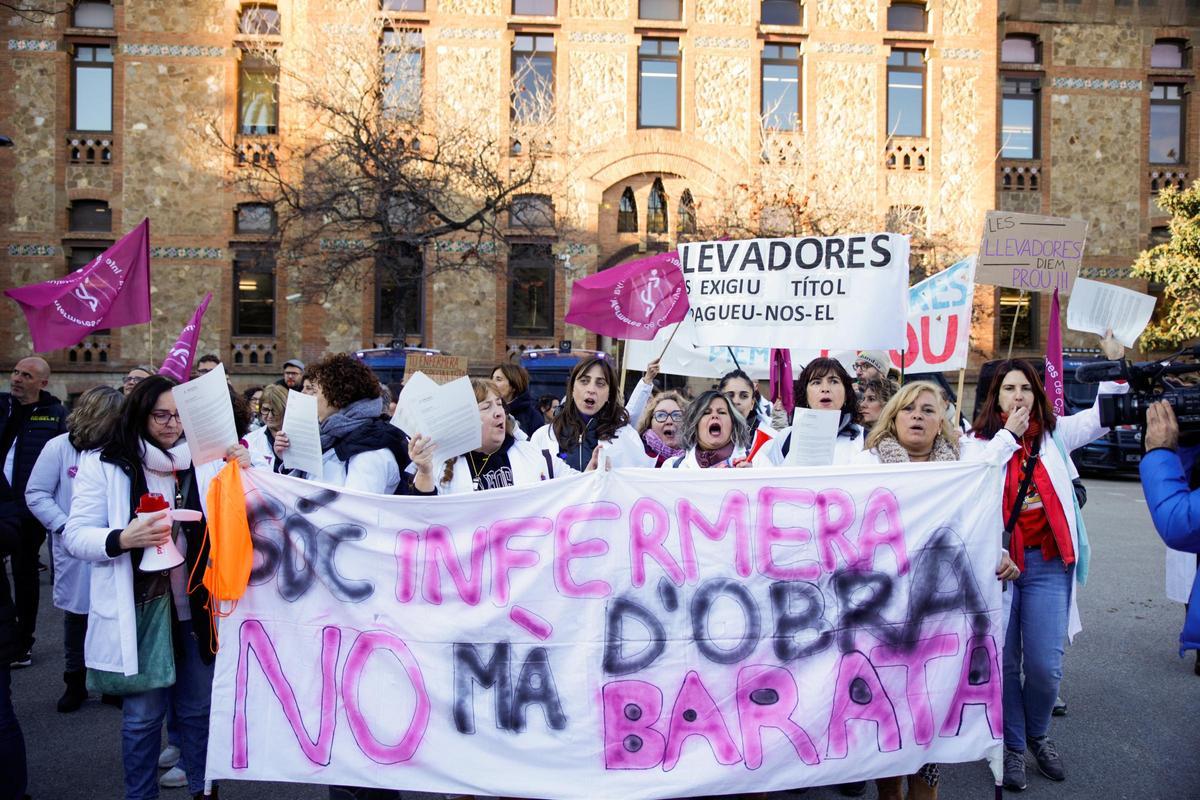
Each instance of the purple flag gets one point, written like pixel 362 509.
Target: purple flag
pixel 632 300
pixel 1054 358
pixel 111 292
pixel 178 364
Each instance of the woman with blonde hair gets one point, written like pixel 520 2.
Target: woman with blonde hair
pixel 660 426
pixel 48 496
pixel 261 441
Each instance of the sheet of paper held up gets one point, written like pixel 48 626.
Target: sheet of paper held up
pixel 1095 307
pixel 447 414
pixel 206 413
pixel 304 435
pixel 814 433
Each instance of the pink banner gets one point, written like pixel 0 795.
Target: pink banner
pixel 111 292
pixel 178 364
pixel 1054 358
pixel 632 300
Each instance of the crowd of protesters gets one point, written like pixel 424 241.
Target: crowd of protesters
pixel 81 479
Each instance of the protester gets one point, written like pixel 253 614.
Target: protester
pixel 309 385
pixel 873 395
pixel 642 392
pixel 48 495
pixel 592 416
pixel 136 376
pixel 293 372
pixel 146 454
pixel 871 365
pixel 825 384
pixel 913 428
pixel 29 418
pixel 359 448
pixel 548 404
pixel 14 775
pixel 713 433
pixel 743 394
pixel 207 363
pixel 501 460
pixel 661 426
pixel 253 395
pixel 261 441
pixel 513 383
pixel 1049 548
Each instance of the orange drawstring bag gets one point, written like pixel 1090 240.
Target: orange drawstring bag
pixel 230 553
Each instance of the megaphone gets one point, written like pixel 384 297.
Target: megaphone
pixel 159 557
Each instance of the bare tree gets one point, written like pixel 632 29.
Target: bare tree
pixel 37 11
pixel 386 178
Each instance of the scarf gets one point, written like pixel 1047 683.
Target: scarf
pixel 1052 507
pixel 713 458
pixel 344 420
pixel 655 446
pixel 165 462
pixel 892 452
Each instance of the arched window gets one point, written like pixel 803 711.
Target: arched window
pixel 1019 50
pixel 656 209
pixel 686 219
pixel 1168 54
pixel 90 14
pixel 627 213
pixel 259 20
pixel 906 17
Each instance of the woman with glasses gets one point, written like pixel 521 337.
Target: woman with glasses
pixel 146 454
pixel 261 441
pixel 134 377
pixel 661 426
pixel 253 396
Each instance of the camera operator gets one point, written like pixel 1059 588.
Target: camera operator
pixel 1169 481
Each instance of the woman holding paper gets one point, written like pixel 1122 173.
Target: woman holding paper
pixel 146 455
pixel 48 496
pixel 1049 545
pixel 824 384
pixel 360 449
pixel 592 418
pixel 714 434
pixel 661 426
pixel 261 441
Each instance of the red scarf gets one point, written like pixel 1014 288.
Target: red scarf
pixel 1034 520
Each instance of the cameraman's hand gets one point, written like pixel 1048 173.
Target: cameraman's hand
pixel 1162 429
pixel 1113 350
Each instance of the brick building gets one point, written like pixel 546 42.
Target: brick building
pixel 889 113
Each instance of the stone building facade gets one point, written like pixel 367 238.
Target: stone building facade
pixel 879 111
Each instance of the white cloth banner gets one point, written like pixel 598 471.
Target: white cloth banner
pixel 632 634
pixel 939 321
pixel 836 292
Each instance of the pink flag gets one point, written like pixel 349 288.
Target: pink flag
pixel 111 292
pixel 178 364
pixel 632 300
pixel 1054 358
pixel 781 379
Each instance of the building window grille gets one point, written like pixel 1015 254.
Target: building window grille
pixel 1019 122
pixel 906 93
pixel 91 69
pixel 658 83
pixel 530 290
pixel 627 213
pixel 781 87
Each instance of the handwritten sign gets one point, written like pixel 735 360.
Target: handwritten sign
pixel 438 368
pixel 838 292
pixel 633 634
pixel 1030 252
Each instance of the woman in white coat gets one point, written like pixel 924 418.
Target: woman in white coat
pixel 48 496
pixel 592 418
pixel 261 440
pixel 825 384
pixel 1048 549
pixel 714 434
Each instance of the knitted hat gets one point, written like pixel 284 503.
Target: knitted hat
pixel 876 358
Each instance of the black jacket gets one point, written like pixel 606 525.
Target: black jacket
pixel 525 411
pixel 377 434
pixel 48 418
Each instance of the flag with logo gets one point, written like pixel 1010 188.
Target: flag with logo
pixel 178 364
pixel 632 300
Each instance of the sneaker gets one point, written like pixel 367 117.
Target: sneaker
pixel 169 757
pixel 1048 761
pixel 23 660
pixel 174 778
pixel 1060 707
pixel 1014 770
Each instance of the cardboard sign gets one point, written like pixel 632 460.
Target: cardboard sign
pixel 1030 252
pixel 630 634
pixel 439 369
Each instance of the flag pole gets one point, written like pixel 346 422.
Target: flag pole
pixel 962 377
pixel 1012 334
pixel 731 355
pixel 621 388
pixel 669 340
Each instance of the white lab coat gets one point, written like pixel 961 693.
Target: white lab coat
pixel 48 497
pixel 625 450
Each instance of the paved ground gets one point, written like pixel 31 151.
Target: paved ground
pixel 1131 732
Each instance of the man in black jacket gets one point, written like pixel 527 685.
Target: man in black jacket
pixel 29 417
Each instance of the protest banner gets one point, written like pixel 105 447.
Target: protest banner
pixel 939 321
pixel 1030 252
pixel 632 634
pixel 837 292
pixel 438 368
pixel 111 291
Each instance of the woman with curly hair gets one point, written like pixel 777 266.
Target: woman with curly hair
pixel 592 417
pixel 661 426
pixel 873 395
pixel 360 449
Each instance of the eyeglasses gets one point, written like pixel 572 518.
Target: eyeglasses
pixel 130 380
pixel 265 412
pixel 663 416
pixel 164 417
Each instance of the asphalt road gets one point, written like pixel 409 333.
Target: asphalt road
pixel 1131 732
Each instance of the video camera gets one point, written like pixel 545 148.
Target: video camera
pixel 1149 382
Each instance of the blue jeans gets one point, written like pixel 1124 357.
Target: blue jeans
pixel 13 776
pixel 142 720
pixel 1033 646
